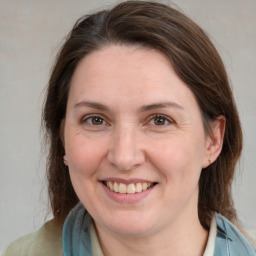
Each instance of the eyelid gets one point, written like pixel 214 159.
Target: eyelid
pixel 86 117
pixel 151 117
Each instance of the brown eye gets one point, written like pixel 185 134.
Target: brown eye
pixel 160 120
pixel 95 120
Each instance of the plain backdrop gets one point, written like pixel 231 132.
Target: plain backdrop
pixel 31 32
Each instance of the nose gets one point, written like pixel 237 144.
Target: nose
pixel 125 151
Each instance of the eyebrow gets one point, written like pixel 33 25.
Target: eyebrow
pixel 160 105
pixel 144 108
pixel 93 105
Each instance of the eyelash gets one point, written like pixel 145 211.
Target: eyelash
pixel 150 119
pixel 87 118
pixel 160 116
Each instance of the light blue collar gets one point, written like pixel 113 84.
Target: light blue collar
pixel 229 240
pixel 76 235
pixel 77 242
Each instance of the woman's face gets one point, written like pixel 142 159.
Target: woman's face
pixel 134 141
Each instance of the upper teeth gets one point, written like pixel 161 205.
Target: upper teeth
pixel 128 189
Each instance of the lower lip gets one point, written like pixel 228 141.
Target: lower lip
pixel 127 198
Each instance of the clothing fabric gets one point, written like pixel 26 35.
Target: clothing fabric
pixel 224 239
pixel 209 250
pixel 47 241
pixel 96 249
pixel 229 241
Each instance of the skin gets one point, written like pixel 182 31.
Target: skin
pixel 127 141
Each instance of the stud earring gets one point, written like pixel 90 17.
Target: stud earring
pixel 65 160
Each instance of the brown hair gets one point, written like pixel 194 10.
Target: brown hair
pixel 196 62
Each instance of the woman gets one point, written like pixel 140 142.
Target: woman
pixel 144 137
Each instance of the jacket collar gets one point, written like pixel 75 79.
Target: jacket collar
pixel 229 240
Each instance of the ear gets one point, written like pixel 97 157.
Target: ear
pixel 62 125
pixel 214 141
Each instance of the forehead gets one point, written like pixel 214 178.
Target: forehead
pixel 117 61
pixel 115 74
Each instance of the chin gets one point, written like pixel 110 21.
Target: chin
pixel 133 226
pixel 131 230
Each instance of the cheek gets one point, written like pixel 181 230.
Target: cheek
pixel 179 159
pixel 84 155
pixel 180 168
pixel 84 159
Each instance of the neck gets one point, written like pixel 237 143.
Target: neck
pixel 179 238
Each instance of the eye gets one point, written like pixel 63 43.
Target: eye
pixel 94 120
pixel 160 120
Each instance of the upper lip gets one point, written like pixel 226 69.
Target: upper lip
pixel 128 181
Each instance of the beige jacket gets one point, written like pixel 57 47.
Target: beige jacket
pixel 46 241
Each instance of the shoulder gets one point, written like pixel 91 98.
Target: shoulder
pixel 46 241
pixel 230 237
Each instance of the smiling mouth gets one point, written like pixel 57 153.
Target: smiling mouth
pixel 131 188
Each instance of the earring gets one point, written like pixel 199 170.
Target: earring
pixel 65 160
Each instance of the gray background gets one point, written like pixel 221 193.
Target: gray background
pixel 31 32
